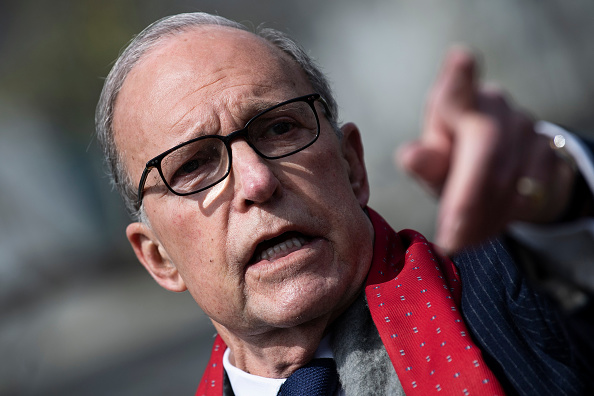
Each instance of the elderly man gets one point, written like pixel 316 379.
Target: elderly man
pixel 246 192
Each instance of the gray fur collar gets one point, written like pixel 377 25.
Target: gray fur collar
pixel 364 366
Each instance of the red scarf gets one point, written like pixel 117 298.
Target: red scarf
pixel 414 298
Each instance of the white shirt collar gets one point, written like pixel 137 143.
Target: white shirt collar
pixel 245 384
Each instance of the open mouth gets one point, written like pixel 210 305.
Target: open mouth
pixel 280 246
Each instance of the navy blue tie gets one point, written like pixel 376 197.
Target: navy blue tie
pixel 317 378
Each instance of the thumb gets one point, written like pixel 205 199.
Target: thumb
pixel 427 164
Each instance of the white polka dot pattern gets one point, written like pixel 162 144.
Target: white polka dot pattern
pixel 213 378
pixel 414 295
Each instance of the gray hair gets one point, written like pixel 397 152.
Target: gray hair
pixel 148 39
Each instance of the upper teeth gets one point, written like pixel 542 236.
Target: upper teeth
pixel 282 247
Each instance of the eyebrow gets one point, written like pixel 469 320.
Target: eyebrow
pixel 247 109
pixel 256 106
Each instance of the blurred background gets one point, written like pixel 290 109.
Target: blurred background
pixel 78 314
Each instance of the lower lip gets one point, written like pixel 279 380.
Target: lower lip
pixel 296 260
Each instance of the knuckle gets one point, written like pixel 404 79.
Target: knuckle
pixel 493 96
pixel 482 124
pixel 494 91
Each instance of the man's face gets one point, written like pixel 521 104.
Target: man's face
pixel 211 80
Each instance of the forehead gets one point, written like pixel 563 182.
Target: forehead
pixel 199 79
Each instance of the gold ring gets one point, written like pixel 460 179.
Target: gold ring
pixel 532 189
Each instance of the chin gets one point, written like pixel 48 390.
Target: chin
pixel 301 306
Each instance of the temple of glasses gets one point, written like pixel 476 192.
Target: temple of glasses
pixel 200 163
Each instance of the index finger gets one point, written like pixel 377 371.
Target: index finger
pixel 453 94
pixel 466 206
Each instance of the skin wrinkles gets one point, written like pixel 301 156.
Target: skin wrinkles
pixel 271 314
pixel 192 110
pixel 201 128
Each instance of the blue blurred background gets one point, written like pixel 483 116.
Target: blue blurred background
pixel 78 315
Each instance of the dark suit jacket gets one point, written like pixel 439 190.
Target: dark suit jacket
pixel 530 343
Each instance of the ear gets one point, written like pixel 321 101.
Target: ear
pixel 154 258
pixel 352 149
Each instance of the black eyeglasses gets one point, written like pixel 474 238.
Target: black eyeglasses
pixel 200 163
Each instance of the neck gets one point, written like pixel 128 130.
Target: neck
pixel 276 353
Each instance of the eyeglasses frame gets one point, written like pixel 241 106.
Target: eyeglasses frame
pixel 227 139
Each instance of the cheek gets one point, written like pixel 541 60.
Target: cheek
pixel 206 287
pixel 331 178
pixel 185 235
pixel 326 170
pixel 196 244
pixel 190 239
pixel 329 159
pixel 201 264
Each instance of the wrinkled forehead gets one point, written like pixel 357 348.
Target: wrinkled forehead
pixel 190 76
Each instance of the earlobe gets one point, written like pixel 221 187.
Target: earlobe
pixel 154 258
pixel 352 149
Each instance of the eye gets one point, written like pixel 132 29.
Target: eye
pixel 195 165
pixel 189 171
pixel 283 130
pixel 188 167
pixel 280 128
pixel 275 128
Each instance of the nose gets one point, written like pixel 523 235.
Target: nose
pixel 255 182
